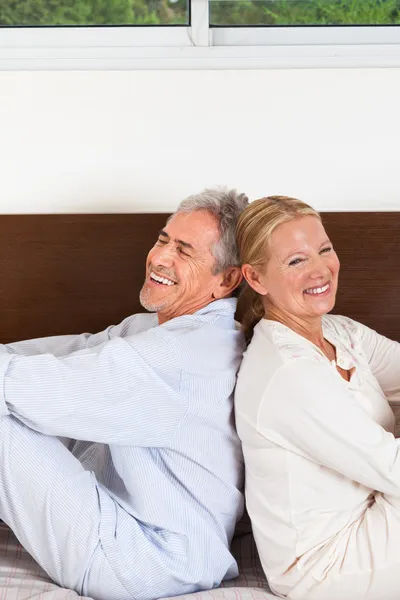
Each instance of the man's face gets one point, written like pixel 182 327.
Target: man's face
pixel 179 267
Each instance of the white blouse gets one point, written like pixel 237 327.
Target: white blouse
pixel 315 446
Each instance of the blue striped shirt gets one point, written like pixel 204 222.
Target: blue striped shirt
pixel 157 402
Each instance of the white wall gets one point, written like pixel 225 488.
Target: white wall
pixel 131 141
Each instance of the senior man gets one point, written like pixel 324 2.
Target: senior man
pixel 144 505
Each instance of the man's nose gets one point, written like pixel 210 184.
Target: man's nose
pixel 163 255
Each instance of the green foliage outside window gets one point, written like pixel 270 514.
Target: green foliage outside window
pixel 222 12
pixel 305 12
pixel 92 12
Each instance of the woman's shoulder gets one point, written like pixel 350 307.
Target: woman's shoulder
pixel 273 346
pixel 273 349
pixel 344 328
pixel 284 342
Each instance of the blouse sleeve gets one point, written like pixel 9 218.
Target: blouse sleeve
pixel 308 409
pixel 383 356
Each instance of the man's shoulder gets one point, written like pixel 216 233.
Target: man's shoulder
pixel 209 340
pixel 215 321
pixel 134 324
pixel 220 313
pixel 212 329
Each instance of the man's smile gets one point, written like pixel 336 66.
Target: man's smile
pixel 161 279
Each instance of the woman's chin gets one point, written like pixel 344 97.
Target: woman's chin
pixel 321 307
pixel 325 308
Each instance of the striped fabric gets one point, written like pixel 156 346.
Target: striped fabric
pixel 146 504
pixel 21 578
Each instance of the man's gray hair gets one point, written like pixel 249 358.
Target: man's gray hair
pixel 226 205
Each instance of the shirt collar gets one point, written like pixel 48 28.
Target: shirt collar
pixel 226 306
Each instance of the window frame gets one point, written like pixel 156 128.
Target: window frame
pixel 198 46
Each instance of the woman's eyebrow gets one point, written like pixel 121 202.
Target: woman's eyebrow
pixel 327 241
pixel 301 250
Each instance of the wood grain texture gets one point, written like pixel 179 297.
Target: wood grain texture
pixel 74 273
pixel 369 283
pixel 71 273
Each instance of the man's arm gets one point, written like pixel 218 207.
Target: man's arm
pixel 59 345
pixel 126 391
pixel 63 345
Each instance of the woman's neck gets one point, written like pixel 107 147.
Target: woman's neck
pixel 311 329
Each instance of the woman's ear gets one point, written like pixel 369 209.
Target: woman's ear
pixel 252 276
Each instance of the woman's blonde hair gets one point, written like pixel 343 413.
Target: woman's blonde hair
pixel 253 232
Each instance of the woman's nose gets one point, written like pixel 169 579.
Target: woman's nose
pixel 318 268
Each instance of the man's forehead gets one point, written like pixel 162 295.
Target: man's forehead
pixel 198 228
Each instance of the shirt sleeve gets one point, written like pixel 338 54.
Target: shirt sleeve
pixel 63 345
pixel 58 345
pixel 126 391
pixel 383 356
pixel 308 409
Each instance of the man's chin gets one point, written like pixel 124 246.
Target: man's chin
pixel 149 304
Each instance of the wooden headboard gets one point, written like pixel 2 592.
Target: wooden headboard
pixel 74 273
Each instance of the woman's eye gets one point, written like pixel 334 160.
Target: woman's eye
pixel 295 261
pixel 161 241
pixel 327 249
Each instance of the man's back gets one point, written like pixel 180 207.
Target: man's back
pixel 186 494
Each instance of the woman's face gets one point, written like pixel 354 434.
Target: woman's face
pixel 301 277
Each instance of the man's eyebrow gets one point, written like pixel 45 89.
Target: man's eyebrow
pixel 184 244
pixel 180 242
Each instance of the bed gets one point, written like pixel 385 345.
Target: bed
pixel 72 273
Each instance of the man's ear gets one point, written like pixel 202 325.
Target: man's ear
pixel 252 276
pixel 230 280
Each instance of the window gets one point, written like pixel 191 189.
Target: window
pixel 176 12
pixel 191 34
pixel 304 12
pixel 22 13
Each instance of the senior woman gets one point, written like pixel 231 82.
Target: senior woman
pixel 312 411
